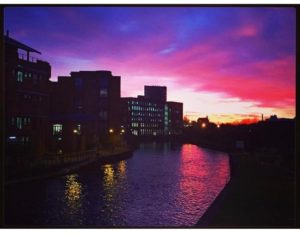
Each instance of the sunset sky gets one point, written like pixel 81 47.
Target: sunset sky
pixel 227 63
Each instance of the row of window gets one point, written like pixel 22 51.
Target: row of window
pixel 147 132
pixel 22 76
pixel 20 122
pixel 147 125
pixel 142 103
pixel 33 98
pixel 103 83
pixel 57 129
pixel 143 119
pixel 140 108
pixel 23 56
pixel 146 114
pixel 20 139
pixel 103 115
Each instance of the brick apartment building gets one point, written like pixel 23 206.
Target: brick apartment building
pixel 84 107
pixel 26 102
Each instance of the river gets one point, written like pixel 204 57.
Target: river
pixel 161 185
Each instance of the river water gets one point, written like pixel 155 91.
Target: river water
pixel 161 185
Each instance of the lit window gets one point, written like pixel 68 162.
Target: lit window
pixel 20 76
pixel 57 129
pixel 19 122
pixel 77 130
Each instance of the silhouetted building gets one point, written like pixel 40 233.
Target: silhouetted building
pixel 26 102
pixel 155 93
pixel 273 118
pixel 144 116
pixel 175 113
pixel 203 122
pixel 85 106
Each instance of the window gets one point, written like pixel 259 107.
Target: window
pixel 19 123
pixel 103 92
pixel 57 129
pixel 103 115
pixel 78 82
pixel 20 76
pixel 77 130
pixel 34 78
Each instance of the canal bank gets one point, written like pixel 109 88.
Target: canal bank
pixel 259 194
pixel 100 157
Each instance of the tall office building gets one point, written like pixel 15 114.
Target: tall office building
pixel 151 115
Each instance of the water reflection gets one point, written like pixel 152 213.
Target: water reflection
pixel 73 193
pixel 122 169
pixel 108 179
pixel 199 170
pixel 161 185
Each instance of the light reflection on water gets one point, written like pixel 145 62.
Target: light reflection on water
pixel 160 185
pixel 73 188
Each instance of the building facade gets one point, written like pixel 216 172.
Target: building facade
pixel 26 102
pixel 150 115
pixel 85 106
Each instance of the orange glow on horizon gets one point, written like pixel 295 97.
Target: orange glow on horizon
pixel 233 119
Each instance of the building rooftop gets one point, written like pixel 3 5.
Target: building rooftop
pixel 106 72
pixel 19 45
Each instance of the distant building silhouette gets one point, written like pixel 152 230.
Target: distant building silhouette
pixel 203 122
pixel 273 118
pixel 26 101
pixel 84 106
pixel 155 93
pixel 151 115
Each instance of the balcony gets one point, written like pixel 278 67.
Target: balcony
pixel 23 56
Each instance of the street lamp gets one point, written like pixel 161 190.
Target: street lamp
pixel 203 125
pixel 75 131
pixel 111 130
